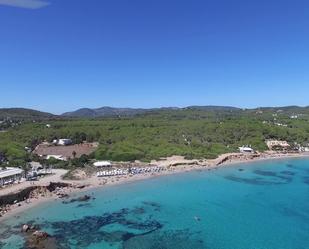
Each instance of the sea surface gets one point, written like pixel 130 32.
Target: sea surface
pixel 261 205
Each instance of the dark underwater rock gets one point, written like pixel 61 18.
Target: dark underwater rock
pixel 164 240
pixel 306 180
pixel 83 198
pixel 265 173
pixel 259 180
pixel 287 172
pixel 95 229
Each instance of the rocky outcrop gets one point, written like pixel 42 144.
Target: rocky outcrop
pixel 54 185
pixel 234 157
pixel 37 239
pixel 16 197
pixel 31 192
pixel 184 163
pixel 26 193
pixel 83 198
pixel 25 228
pixel 40 235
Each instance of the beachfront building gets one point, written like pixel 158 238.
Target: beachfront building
pixel 245 149
pixel 39 169
pixel 10 175
pixel 64 141
pixel 277 144
pixel 303 149
pixel 101 164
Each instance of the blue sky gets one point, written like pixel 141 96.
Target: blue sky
pixel 60 55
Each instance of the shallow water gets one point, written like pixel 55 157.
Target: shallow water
pixel 263 205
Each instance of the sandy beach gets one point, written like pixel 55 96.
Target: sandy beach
pixel 172 165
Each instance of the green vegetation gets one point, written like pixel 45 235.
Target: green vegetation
pixel 192 132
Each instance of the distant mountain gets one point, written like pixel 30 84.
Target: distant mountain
pixel 115 112
pixel 83 112
pixel 105 112
pixel 23 113
pixel 213 108
pixel 288 109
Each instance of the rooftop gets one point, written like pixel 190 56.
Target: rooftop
pixel 102 164
pixel 10 172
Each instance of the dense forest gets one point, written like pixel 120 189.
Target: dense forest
pixel 191 132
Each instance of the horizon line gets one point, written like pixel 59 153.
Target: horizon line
pixel 160 107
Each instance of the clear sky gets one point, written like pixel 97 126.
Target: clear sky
pixel 60 55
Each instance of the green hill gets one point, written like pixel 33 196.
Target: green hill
pixel 23 113
pixel 194 132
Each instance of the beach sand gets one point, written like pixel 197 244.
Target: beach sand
pixel 181 165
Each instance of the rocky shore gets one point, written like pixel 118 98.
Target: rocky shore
pixel 30 194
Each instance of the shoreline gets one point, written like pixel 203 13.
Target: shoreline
pixel 95 182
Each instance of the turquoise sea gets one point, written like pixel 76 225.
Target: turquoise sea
pixel 262 205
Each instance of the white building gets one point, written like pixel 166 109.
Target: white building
pixel 10 175
pixel 100 164
pixel 64 141
pixel 39 169
pixel 303 149
pixel 277 143
pixel 246 149
pixel 280 124
pixel 58 157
